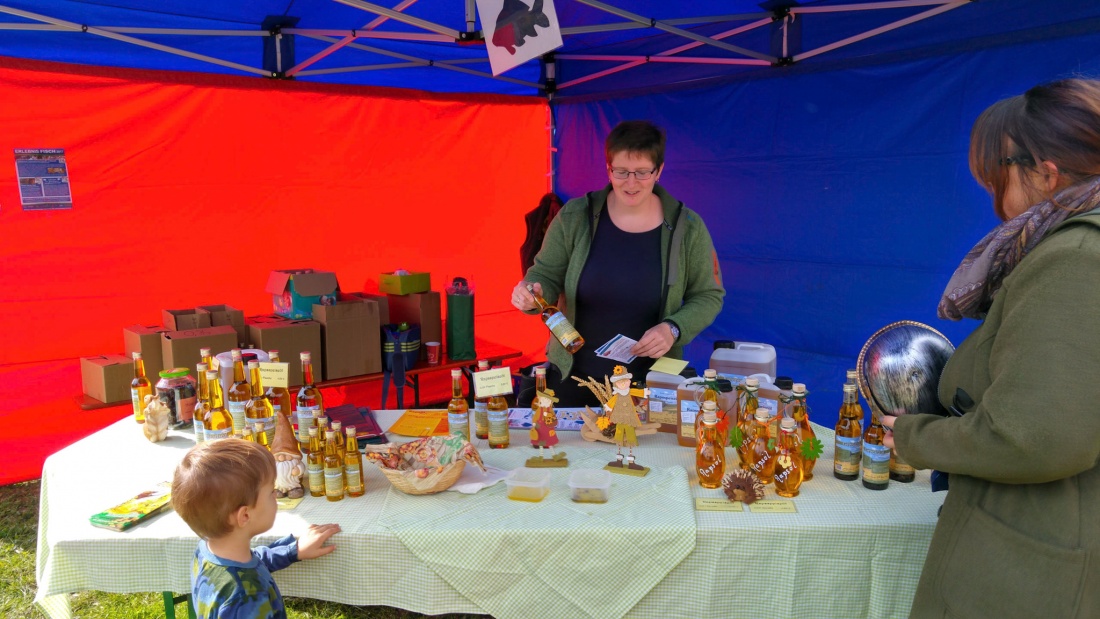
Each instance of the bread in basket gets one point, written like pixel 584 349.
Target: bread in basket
pixel 427 465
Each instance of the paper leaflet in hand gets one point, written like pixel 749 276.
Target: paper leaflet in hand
pixel 618 349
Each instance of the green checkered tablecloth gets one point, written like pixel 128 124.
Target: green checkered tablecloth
pixel 848 552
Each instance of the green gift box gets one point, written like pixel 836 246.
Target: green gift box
pixel 405 284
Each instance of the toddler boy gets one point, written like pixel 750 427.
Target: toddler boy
pixel 225 491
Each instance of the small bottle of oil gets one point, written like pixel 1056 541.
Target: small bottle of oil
pixel 202 402
pixel 353 465
pixel 498 422
pixel 847 450
pixel 239 392
pixel 258 408
pixel 139 388
pixel 458 413
pixel 747 403
pixel 763 447
pixel 876 457
pixel 217 424
pixel 710 453
pixel 334 469
pixel 788 459
pixel 261 435
pixel 481 407
pixel 315 464
pixel 800 412
pixel 309 402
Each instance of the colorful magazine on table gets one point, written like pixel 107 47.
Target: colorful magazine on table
pixel 136 510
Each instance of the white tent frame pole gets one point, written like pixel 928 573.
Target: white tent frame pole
pixel 328 51
pixel 131 30
pixel 471 16
pixel 413 61
pixel 683 21
pixel 368 34
pixel 133 41
pixel 674 59
pixel 870 6
pixel 401 17
pixel 687 34
pixel 943 8
pixel 676 50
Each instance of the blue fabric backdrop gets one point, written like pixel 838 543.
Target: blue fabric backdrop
pixel 839 201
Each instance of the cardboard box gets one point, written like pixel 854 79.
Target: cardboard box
pixel 184 319
pixel 290 338
pixel 180 349
pixel 422 308
pixel 221 315
pixel 405 284
pixel 107 377
pixel 380 299
pixel 294 292
pixel 350 338
pixel 145 339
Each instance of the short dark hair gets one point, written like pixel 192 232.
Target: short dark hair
pixel 217 478
pixel 640 137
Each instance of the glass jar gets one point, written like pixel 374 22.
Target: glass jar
pixel 176 390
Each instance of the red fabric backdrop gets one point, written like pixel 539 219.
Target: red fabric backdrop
pixel 188 189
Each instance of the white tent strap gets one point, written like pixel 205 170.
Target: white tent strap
pixel 943 8
pixel 683 21
pixel 328 51
pixel 671 59
pixel 401 17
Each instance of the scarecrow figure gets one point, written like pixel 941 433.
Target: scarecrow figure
pixel 545 433
pixel 624 414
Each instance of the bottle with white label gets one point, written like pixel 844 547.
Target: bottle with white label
pixel 309 403
pixel 239 393
pixel 458 413
pixel 481 405
pixel 847 448
pixel 876 457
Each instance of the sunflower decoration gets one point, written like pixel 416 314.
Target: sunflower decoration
pixel 742 485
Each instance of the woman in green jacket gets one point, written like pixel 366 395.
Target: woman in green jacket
pixel 631 260
pixel 1019 533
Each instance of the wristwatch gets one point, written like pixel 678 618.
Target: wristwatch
pixel 675 330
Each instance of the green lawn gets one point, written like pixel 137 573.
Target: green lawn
pixel 18 534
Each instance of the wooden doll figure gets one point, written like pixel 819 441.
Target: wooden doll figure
pixel 624 415
pixel 545 433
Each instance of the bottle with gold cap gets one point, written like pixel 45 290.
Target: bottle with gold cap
pixel 139 388
pixel 217 424
pixel 481 407
pixel 239 392
pixel 309 403
pixel 202 402
pixel 258 408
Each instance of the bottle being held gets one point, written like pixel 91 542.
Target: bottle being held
pixel 259 409
pixel 139 388
pixel 710 453
pixel 239 392
pixel 499 436
pixel 559 325
pixel 315 464
pixel 788 472
pixel 481 408
pixel 458 413
pixel 800 412
pixel 308 404
pixel 847 451
pixel 876 456
pixel 334 469
pixel 353 465
pixel 217 424
pixel 202 403
pixel 747 403
pixel 763 447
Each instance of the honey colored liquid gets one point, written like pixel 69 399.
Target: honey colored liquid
pixel 710 457
pixel 498 423
pixel 745 423
pixel 763 459
pixel 847 449
pixel 787 473
pixel 559 325
pixel 353 468
pixel 805 433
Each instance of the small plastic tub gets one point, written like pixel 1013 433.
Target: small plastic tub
pixel 528 485
pixel 590 486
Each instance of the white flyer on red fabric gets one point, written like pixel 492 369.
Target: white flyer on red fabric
pixel 618 349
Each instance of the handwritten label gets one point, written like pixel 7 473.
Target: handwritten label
pixel 274 374
pixel 668 365
pixel 497 381
pixel 718 505
pixel 773 507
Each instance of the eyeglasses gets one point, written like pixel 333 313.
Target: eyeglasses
pixel 1024 160
pixel 642 175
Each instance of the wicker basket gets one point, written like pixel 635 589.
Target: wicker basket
pixel 440 481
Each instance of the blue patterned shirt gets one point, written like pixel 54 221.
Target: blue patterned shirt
pixel 224 589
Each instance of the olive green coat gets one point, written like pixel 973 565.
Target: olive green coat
pixel 1019 534
pixel 694 279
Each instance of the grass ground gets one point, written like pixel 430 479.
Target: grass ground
pixel 18 535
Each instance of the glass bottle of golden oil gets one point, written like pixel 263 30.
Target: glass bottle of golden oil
pixel 559 325
pixel 261 435
pixel 481 407
pixel 338 434
pixel 309 403
pixel 498 422
pixel 139 388
pixel 202 402
pixel 207 358
pixel 278 396
pixel 353 465
pixel 710 452
pixel 315 464
pixel 850 378
pixel 217 424
pixel 258 408
pixel 763 446
pixel 458 413
pixel 748 401
pixel 540 386
pixel 239 392
pixel 706 392
pixel 788 459
pixel 334 469
pixel 322 427
pixel 847 451
pixel 876 457
pixel 247 434
pixel 800 412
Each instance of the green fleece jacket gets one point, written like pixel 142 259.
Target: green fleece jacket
pixel 694 291
pixel 1019 534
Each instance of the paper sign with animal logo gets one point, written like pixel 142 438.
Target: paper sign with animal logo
pixel 518 30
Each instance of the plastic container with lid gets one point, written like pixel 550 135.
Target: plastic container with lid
pixel 526 484
pixel 176 389
pixel 663 405
pixel 225 365
pixel 590 485
pixel 738 360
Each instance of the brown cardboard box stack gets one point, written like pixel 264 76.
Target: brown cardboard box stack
pixel 422 308
pixel 290 338
pixel 184 319
pixel 180 349
pixel 145 339
pixel 221 315
pixel 381 299
pixel 107 377
pixel 350 333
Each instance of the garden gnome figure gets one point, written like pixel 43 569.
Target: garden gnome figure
pixel 624 415
pixel 288 460
pixel 545 433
